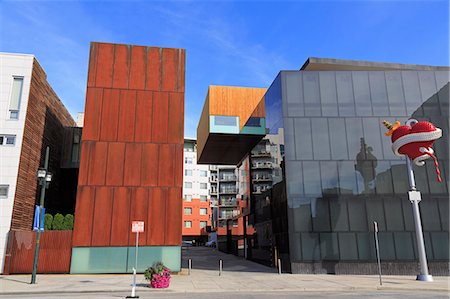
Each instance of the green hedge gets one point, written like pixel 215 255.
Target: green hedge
pixel 58 222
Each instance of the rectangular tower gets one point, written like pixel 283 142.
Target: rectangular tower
pixel 131 165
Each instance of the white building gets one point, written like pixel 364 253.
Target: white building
pixel 15 79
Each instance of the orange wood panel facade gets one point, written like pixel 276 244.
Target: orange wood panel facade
pixel 131 165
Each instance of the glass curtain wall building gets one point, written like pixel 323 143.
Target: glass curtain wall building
pixel 339 174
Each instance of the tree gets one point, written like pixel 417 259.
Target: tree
pixel 58 221
pixel 68 222
pixel 48 220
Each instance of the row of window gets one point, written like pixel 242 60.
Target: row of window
pixel 189 185
pixel 188 198
pixel 188 224
pixel 189 172
pixel 188 211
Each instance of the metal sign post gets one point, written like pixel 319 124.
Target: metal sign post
pixel 136 227
pixel 377 247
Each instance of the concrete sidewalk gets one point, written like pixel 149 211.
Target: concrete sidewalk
pixel 238 275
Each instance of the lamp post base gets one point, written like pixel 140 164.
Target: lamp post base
pixel 422 277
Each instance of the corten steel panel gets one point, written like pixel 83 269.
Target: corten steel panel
pixel 127 115
pixel 84 212
pixel 160 119
pixel 153 74
pixel 169 70
pixel 149 164
pixel 105 62
pixel 92 114
pixel 138 94
pixel 110 115
pixel 101 226
pixel 166 167
pixel 120 225
pixel 97 163
pixel 54 254
pixel 144 103
pixel 83 173
pixel 138 212
pixel 173 217
pixel 157 216
pixel 115 164
pixel 121 66
pixel 176 111
pixel 138 67
pixel 179 163
pixel 132 167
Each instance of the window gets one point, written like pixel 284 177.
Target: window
pixel 188 198
pixel 4 191
pixel 225 120
pixel 187 211
pixel 203 185
pixel 7 140
pixel 203 173
pixel 188 160
pixel 203 224
pixel 188 224
pixel 16 94
pixel 188 172
pixel 203 198
pixel 203 211
pixel 187 184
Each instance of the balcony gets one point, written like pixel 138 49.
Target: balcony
pixel 263 165
pixel 228 191
pixel 227 178
pixel 213 167
pixel 213 179
pixel 262 178
pixel 232 202
pixel 261 153
pixel 213 192
pixel 228 214
pixel 260 189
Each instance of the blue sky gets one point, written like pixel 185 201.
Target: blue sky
pixel 244 43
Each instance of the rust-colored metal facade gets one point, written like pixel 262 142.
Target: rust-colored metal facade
pixel 54 254
pixel 131 164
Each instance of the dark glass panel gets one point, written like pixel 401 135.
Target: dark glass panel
pixel 329 247
pixel 430 214
pixel 361 90
pixel 393 210
pixel 380 105
pixel 311 178
pixel 421 179
pixel 383 180
pixel 444 212
pixel 310 246
pixel 294 178
pixel 321 141
pixel 366 246
pixel 387 249
pixel 435 186
pixel 273 104
pixel 329 176
pixel 303 138
pixel 294 93
pixel 375 212
pixel 338 140
pixel 398 169
pixel 372 139
pixel 407 215
pixel 404 247
pixel 338 215
pixel 357 214
pixel 413 96
pixel 311 94
pixel 354 131
pixel 347 246
pixel 328 97
pixel 395 94
pixel 344 88
pixel 295 252
pixel 321 217
pixel 302 218
pixel 289 139
pixel 347 177
pixel 440 245
pixel 429 93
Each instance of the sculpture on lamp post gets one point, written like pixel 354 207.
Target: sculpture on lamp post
pixel 415 140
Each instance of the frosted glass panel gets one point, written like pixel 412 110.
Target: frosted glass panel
pixel 16 94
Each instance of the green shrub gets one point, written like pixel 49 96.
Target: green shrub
pixel 48 220
pixel 58 221
pixel 68 222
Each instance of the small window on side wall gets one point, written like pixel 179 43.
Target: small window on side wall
pixel 7 140
pixel 16 96
pixel 4 191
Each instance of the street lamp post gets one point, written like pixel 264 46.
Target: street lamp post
pixel 44 178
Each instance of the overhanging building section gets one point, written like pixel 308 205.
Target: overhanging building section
pixel 231 124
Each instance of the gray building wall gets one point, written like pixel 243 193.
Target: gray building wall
pixel 341 174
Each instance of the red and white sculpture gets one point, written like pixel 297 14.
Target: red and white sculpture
pixel 415 140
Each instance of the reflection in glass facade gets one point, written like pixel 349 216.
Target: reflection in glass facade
pixel 339 175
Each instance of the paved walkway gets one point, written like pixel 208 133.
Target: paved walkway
pixel 238 275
